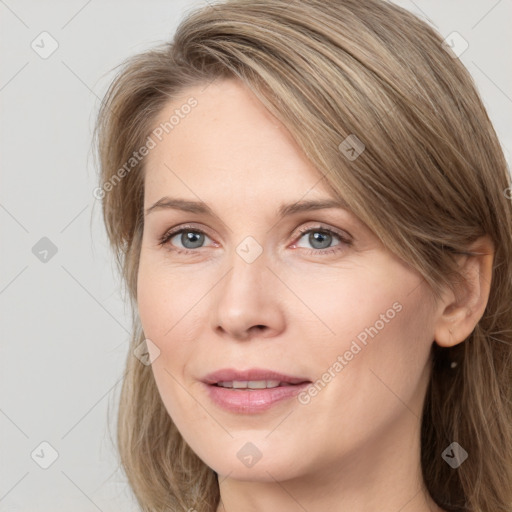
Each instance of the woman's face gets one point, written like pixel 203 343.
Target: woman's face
pixel 310 294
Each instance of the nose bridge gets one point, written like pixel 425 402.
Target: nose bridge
pixel 247 298
pixel 248 272
pixel 250 250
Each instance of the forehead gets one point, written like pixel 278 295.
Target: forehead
pixel 229 145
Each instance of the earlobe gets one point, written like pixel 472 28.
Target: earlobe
pixel 465 306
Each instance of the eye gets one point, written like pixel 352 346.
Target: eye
pixel 190 238
pixel 186 239
pixel 321 238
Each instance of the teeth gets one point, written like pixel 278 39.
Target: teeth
pixel 251 384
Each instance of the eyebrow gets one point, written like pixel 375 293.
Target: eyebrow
pixel 284 210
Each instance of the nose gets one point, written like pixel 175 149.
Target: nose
pixel 248 301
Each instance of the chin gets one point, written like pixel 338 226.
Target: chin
pixel 247 462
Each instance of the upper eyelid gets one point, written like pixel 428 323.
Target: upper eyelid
pixel 320 227
pixel 190 227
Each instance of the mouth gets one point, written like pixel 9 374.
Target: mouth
pixel 254 378
pixel 254 384
pixel 251 391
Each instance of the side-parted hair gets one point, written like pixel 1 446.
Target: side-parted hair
pixel 431 179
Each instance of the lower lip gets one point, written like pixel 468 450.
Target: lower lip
pixel 245 401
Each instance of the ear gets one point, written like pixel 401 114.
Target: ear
pixel 461 310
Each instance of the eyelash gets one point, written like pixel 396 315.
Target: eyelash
pixel 164 240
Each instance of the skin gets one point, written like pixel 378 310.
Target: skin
pixel 356 445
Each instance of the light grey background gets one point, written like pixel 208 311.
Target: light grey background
pixel 65 328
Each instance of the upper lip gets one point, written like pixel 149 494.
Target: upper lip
pixel 252 374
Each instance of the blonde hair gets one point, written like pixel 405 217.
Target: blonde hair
pixel 432 179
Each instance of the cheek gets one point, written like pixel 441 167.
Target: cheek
pixel 160 309
pixel 342 302
pixel 375 318
pixel 377 362
pixel 173 309
pixel 165 309
pixel 167 299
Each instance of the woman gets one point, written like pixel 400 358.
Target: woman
pixel 308 204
